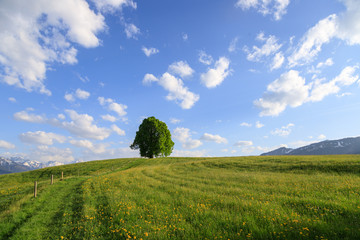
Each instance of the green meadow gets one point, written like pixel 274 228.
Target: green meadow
pixel 270 197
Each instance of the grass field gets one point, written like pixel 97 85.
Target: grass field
pixel 292 197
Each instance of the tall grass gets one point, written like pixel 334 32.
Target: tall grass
pixel 292 197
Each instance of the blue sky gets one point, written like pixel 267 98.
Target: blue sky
pixel 229 78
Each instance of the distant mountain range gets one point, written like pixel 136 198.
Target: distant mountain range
pixel 328 147
pixel 19 164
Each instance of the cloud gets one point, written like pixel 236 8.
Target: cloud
pixel 181 69
pixel 213 138
pixel 12 99
pixel 283 131
pixel 320 90
pixel 110 153
pixel 185 37
pixel 95 148
pixel 148 79
pixel 28 117
pixel 149 51
pixel 278 61
pixel 259 125
pixel 69 97
pixel 109 118
pixel 288 90
pixel 84 79
pixel 183 135
pixel 39 34
pixel 177 91
pixel 79 93
pixel 243 143
pixel 175 121
pixel 113 106
pixel 82 125
pixel 328 62
pixel 40 137
pixel 119 131
pixel 311 43
pixel 184 153
pixel 245 124
pixel 269 48
pixel 275 7
pixel 215 76
pixel 6 145
pixel 112 5
pixel 131 30
pixel 345 26
pixel 205 58
pixel 321 137
pixel 349 22
pixel 232 46
pixel 45 154
pixel 61 116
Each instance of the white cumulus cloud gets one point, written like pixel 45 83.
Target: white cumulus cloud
pixel 95 148
pixel 149 51
pixel 186 153
pixel 278 61
pixel 44 153
pixel 245 124
pixel 183 135
pixel 131 30
pixel 259 124
pixel 29 117
pixel 12 99
pixel 270 47
pixel 311 43
pixel 82 125
pixel 181 69
pixel 118 130
pixel 111 5
pixel 232 47
pixel 344 26
pixel 79 93
pixel 175 120
pixel 6 145
pixel 109 118
pixel 345 78
pixel 205 58
pixel 40 137
pixel 277 8
pixel 113 106
pixel 215 76
pixel 148 79
pixel 41 33
pixel 288 90
pixel 243 143
pixel 213 138
pixel 283 131
pixel 328 62
pixel 177 91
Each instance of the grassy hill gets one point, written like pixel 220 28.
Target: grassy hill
pixel 270 197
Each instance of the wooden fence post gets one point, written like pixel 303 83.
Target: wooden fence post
pixel 52 179
pixel 35 189
pixel 62 176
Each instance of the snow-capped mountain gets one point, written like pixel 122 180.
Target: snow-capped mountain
pixel 20 164
pixel 328 147
pixel 9 166
pixel 32 164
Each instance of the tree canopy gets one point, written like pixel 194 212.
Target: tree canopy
pixel 153 139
